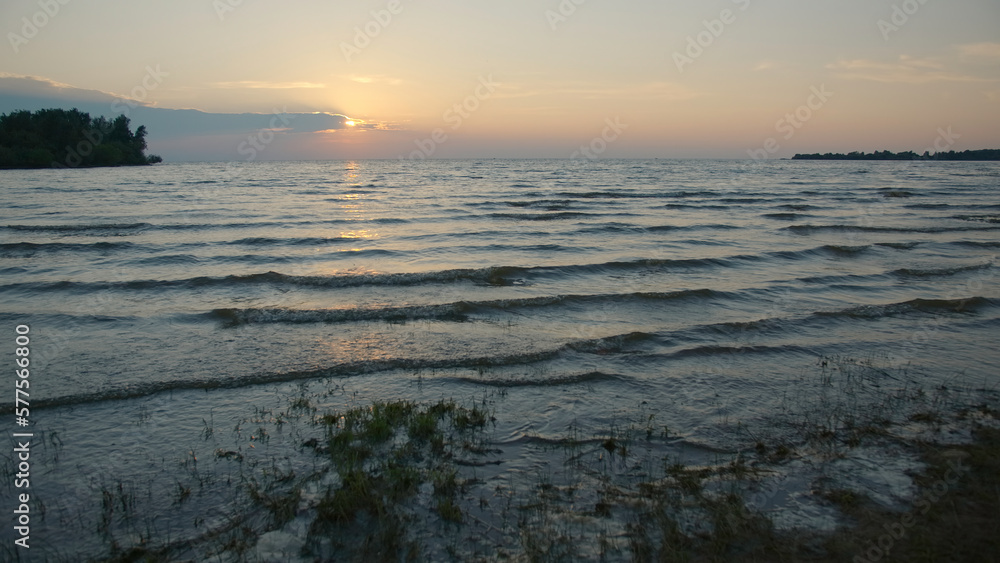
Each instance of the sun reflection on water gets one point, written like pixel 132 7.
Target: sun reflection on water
pixel 363 234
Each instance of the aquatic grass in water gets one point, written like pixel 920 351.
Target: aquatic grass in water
pixel 383 454
pixel 615 504
pixel 400 479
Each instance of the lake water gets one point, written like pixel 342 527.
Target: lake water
pixel 167 304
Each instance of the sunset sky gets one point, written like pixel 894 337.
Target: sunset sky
pixel 519 78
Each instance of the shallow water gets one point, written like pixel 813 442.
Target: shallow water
pixel 169 306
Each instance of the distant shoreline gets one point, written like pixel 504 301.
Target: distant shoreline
pixel 979 155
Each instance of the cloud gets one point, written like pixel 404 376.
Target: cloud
pixel 28 82
pixel 980 50
pixel 253 84
pixel 767 65
pixel 925 63
pixel 907 70
pixel 26 86
pixel 656 91
pixel 217 134
pixel 376 79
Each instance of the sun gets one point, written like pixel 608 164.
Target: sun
pixel 350 123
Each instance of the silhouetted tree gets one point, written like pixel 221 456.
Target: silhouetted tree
pixel 69 138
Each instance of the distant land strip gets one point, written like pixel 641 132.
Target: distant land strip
pixel 982 154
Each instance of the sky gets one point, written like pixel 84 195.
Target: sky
pixel 323 79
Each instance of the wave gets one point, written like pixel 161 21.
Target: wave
pixel 492 276
pixel 456 312
pixel 147 388
pixel 840 250
pixel 968 305
pixel 666 228
pixel 615 344
pixel 606 195
pixel 798 207
pixel 811 229
pixel 498 276
pixel 787 216
pixel 547 216
pixel 67 320
pixel 187 259
pixel 349 369
pixel 839 280
pixel 545 203
pixel 525 247
pixel 715 350
pixel 644 264
pixel 556 381
pixel 825 250
pixel 742 199
pixel 628 343
pixel 269 241
pixel 235 317
pixel 936 272
pixel 129 229
pixel 611 228
pixel 977 244
pixel 105 229
pixel 609 344
pixel 635 195
pixel 22 249
pixel 631 228
pixel 390 221
pixel 895 193
pixel 979 218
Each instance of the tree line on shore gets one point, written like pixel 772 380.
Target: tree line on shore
pixel 982 154
pixel 58 138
